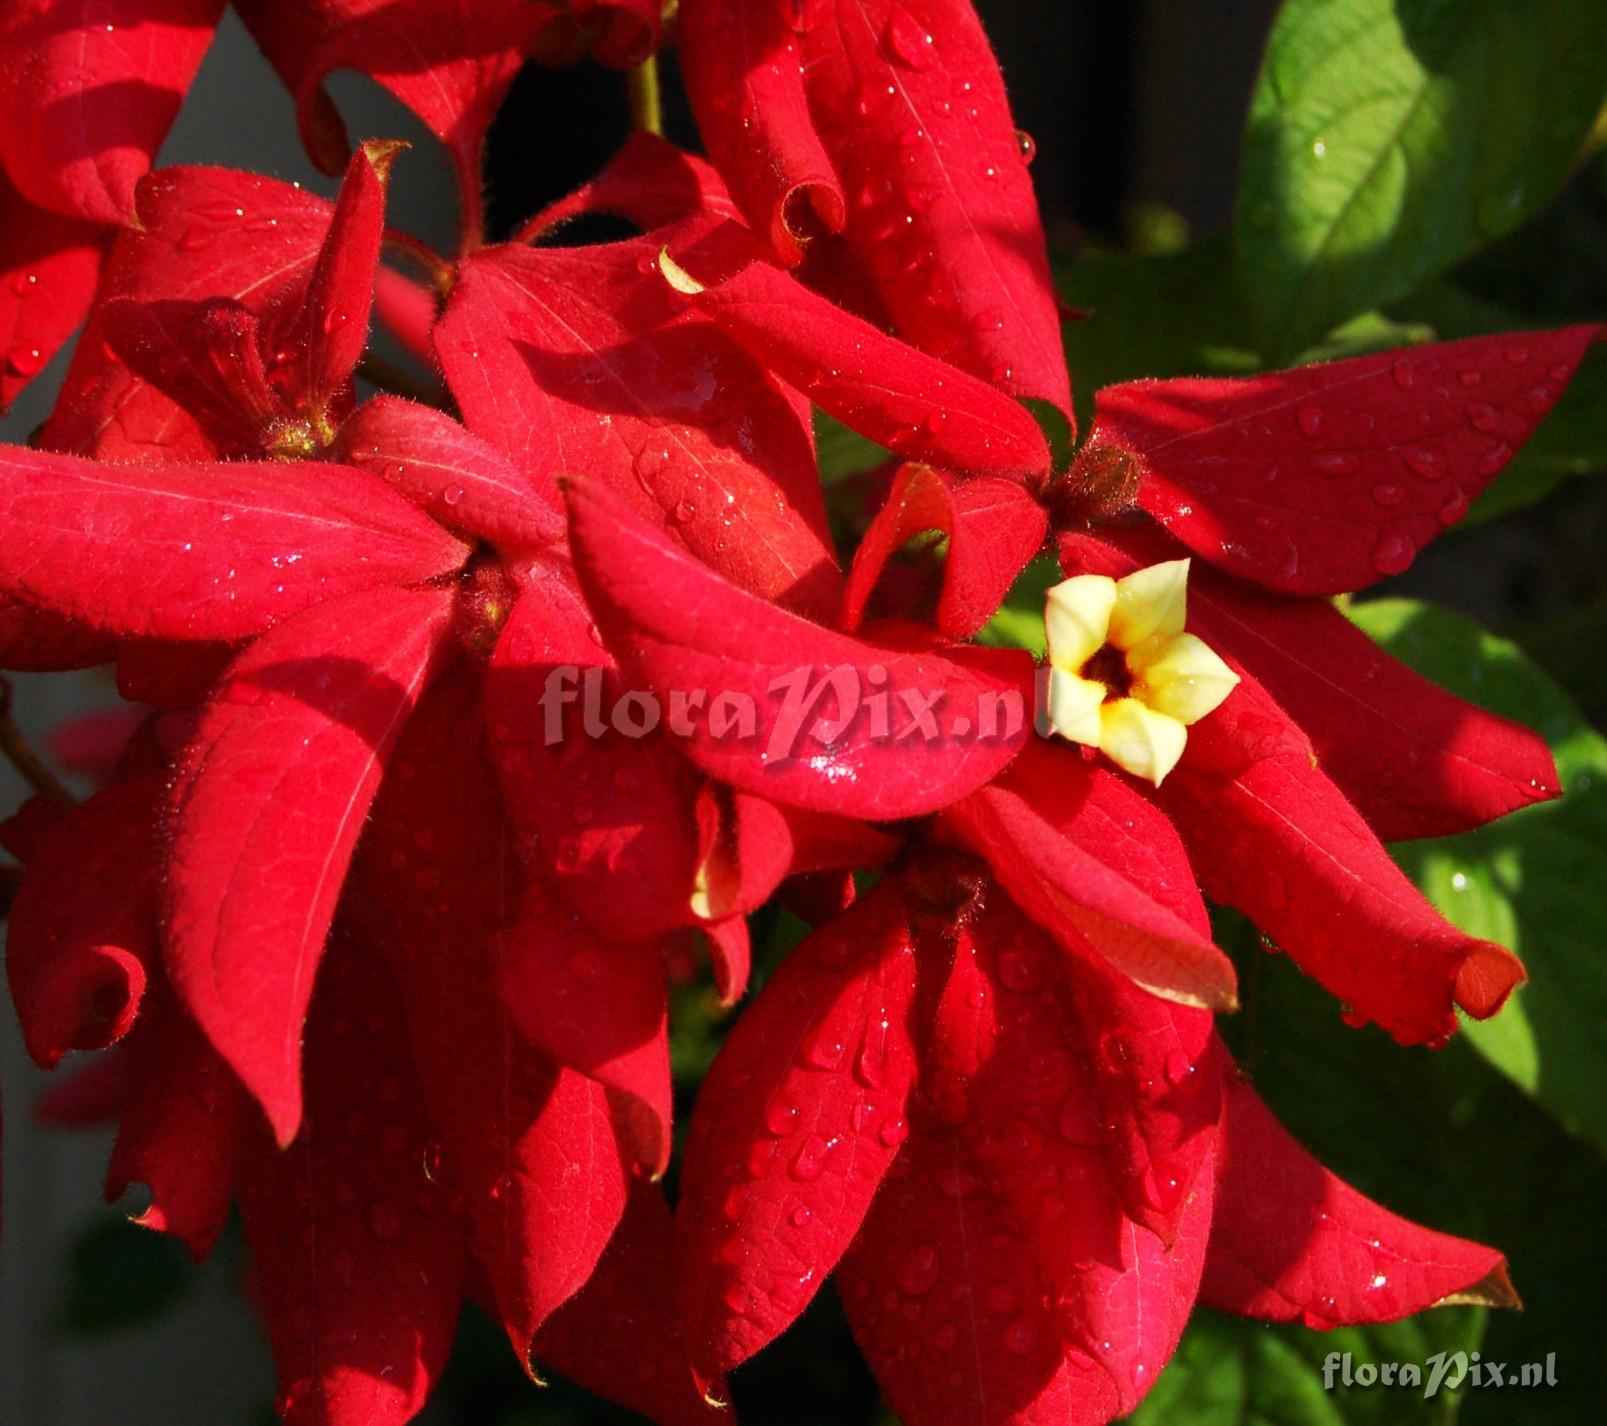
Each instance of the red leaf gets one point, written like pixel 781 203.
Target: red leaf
pixel 619 1336
pixel 90 1095
pixel 48 266
pixel 914 404
pixel 35 641
pixel 86 102
pixel 203 551
pixel 596 1006
pixel 1415 760
pixel 451 474
pixel 268 805
pixel 945 1298
pixel 745 78
pixel 576 359
pixel 1050 1111
pixel 629 29
pixel 184 1127
pixel 176 675
pixel 592 804
pixel 649 182
pixel 1291 1242
pixel 993 527
pixel 202 234
pixel 1269 833
pixel 82 928
pixel 953 715
pixel 450 64
pixel 329 329
pixel 536 1167
pixel 1328 478
pixel 358 1262
pixel 794 1128
pixel 1096 865
pixel 943 216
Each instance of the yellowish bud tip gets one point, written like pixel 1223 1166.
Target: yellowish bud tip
pixel 677 276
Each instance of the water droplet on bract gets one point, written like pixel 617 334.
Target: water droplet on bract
pixel 25 361
pixel 1454 507
pixel 736 1201
pixel 1393 553
pixel 384 1220
pixel 947 1337
pixel 1019 971
pixel 1405 373
pixel 781 1117
pixel 805 15
pixel 1021 1336
pixel 908 41
pixel 22 282
pixel 1177 1069
pixel 1482 417
pixel 335 320
pixel 919 1271
pixel 1026 146
pixel 894 1132
pixel 1387 493
pixel 684 512
pixel 800 1216
pixel 194 240
pixel 1352 1016
pixel 650 462
pixel 1516 355
pixel 1309 417
pixel 824 1051
pixel 1471 377
pixel 1336 462
pixel 810 1161
pixel 453 495
pixel 1422 462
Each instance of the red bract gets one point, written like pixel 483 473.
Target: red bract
pixel 889 121
pixel 461 741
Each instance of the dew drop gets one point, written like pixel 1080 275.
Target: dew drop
pixel 1177 1069
pixel 1454 507
pixel 194 240
pixel 1021 1336
pixel 800 1216
pixel 1026 146
pixel 781 1116
pixel 1482 417
pixel 908 41
pixel 1405 373
pixel 1470 377
pixel 919 1271
pixel 1310 418
pixel 894 1131
pixel 453 495
pixel 684 512
pixel 1422 462
pixel 824 1051
pixel 810 1160
pixel 1019 971
pixel 1516 355
pixel 1393 553
pixel 384 1220
pixel 947 1337
pixel 1336 462
pixel 1387 493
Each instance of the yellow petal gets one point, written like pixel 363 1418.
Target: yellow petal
pixel 1150 602
pixel 1076 617
pixel 1140 740
pixel 1074 707
pixel 1186 681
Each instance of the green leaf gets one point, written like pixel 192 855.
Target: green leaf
pixel 1388 139
pixel 1018 624
pixel 1532 880
pixel 843 452
pixel 120 1275
pixel 1230 1372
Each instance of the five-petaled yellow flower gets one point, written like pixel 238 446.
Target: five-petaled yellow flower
pixel 1124 677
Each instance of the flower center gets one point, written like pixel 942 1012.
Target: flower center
pixel 1109 667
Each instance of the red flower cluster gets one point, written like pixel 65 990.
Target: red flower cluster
pixel 384 927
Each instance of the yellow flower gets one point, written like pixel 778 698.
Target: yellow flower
pixel 1124 677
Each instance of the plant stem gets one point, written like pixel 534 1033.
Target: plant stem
pixel 14 748
pixel 647 108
